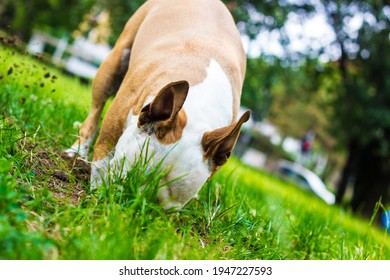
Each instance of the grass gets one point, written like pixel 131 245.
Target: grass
pixel 47 212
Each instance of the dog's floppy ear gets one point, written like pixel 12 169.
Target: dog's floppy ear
pixel 163 111
pixel 218 144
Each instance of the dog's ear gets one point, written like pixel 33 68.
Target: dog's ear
pixel 166 104
pixel 163 111
pixel 218 144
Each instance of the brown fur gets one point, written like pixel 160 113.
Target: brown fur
pixel 219 143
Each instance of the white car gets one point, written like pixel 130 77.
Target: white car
pixel 306 179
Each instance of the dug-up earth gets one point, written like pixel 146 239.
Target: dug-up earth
pixel 66 178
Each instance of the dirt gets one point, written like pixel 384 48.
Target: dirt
pixel 67 178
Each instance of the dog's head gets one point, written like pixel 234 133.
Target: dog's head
pixel 190 153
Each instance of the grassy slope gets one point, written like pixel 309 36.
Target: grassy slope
pixel 240 214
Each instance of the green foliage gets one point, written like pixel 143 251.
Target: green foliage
pixel 38 86
pixel 360 99
pixel 61 17
pixel 120 12
pixel 57 17
pixel 240 214
pixel 273 14
pixel 361 92
pixel 16 239
pixel 260 79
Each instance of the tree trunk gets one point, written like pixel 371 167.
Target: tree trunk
pixel 372 181
pixel 348 170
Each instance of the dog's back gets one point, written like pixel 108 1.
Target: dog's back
pixel 192 30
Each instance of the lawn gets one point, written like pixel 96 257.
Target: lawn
pixel 48 212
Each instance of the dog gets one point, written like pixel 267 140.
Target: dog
pixel 177 70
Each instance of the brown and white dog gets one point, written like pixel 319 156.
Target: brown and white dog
pixel 177 71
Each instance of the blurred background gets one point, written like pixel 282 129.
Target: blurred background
pixel 317 82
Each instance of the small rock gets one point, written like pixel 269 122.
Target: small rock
pixel 59 174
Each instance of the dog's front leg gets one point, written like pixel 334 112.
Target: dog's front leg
pixel 100 173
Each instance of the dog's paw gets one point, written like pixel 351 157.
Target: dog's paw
pixel 70 153
pixel 77 151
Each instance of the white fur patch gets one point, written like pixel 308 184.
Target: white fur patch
pixel 209 105
pixel 99 172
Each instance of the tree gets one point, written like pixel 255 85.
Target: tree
pixel 258 86
pixel 58 17
pixel 359 94
pixel 266 72
pixel 254 16
pixel 120 11
pixel 362 102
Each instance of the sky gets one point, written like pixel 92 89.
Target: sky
pixel 314 32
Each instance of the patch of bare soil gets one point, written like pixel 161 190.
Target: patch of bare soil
pixel 67 178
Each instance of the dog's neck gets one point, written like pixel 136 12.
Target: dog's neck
pixel 209 105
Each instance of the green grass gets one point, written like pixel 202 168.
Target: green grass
pixel 240 214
